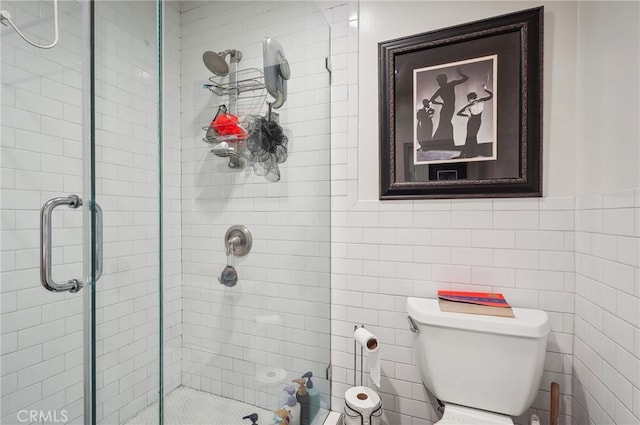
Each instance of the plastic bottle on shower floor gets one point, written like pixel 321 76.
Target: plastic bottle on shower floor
pixel 303 398
pixel 281 417
pixel 291 405
pixel 314 396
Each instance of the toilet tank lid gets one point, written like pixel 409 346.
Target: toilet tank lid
pixel 527 322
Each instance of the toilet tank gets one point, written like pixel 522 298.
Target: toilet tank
pixel 485 362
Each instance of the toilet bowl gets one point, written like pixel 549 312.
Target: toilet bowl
pixel 485 369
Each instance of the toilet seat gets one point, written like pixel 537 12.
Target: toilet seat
pixel 455 414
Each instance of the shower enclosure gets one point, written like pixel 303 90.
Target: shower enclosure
pixel 109 124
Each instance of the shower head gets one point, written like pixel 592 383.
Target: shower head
pixel 217 63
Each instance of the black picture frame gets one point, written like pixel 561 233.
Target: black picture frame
pixel 492 146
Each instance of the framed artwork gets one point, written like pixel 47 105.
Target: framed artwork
pixel 460 110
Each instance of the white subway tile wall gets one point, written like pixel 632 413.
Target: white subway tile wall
pixel 606 376
pixel 276 320
pixel 372 291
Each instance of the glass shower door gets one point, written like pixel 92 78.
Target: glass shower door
pixel 127 187
pixel 79 131
pixel 42 158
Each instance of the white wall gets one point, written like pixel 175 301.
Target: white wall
pixel 276 318
pixel 607 148
pixel 383 252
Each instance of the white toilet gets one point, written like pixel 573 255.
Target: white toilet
pixel 484 368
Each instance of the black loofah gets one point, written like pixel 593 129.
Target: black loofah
pixel 267 147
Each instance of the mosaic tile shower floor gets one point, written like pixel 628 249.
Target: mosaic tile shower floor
pixel 186 406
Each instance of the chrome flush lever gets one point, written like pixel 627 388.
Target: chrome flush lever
pixel 412 325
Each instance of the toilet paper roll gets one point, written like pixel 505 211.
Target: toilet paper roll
pixel 361 401
pixel 371 345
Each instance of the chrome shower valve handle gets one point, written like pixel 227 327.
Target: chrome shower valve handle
pixel 237 241
pixel 231 249
pixel 238 238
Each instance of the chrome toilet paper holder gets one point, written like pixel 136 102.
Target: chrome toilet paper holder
pixel 349 412
pixel 355 358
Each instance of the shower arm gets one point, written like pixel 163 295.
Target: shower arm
pixel 234 55
pixel 5 18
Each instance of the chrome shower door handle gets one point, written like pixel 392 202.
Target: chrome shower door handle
pixel 46 212
pixel 99 240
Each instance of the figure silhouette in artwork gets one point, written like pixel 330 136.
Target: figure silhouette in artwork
pixel 473 111
pixel 446 92
pixel 424 128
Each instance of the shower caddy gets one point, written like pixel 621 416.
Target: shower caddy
pixel 245 91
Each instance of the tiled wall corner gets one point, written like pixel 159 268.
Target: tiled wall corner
pixel 607 360
pixel 172 205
